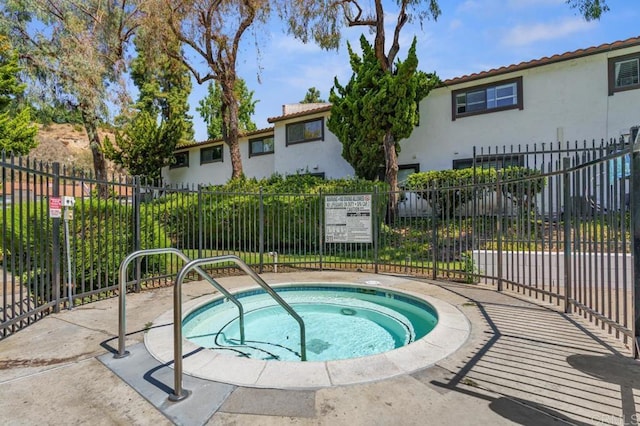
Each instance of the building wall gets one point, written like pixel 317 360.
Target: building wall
pixel 218 173
pixel 323 156
pixel 564 101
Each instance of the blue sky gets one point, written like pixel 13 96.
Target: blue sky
pixel 470 36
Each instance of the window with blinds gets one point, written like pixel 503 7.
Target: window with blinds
pixel 624 73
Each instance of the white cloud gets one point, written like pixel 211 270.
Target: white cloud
pixel 290 44
pixel 455 24
pixel 469 6
pixel 533 3
pixel 521 35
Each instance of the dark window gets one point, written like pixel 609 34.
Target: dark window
pixel 500 161
pixel 211 154
pixel 624 73
pixel 180 159
pixel 405 170
pixel 492 97
pixel 305 131
pixel 261 146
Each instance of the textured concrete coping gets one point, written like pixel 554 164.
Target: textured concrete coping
pixel 451 332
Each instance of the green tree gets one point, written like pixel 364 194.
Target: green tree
pixel 210 109
pixel 376 108
pixel 312 97
pixel 17 133
pixel 47 111
pixel 144 146
pixel 160 120
pixel 164 83
pixel 323 21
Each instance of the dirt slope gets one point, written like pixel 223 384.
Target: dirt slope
pixel 67 144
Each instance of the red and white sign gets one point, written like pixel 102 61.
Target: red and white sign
pixel 55 207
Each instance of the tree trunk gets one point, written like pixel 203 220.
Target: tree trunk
pixel 391 172
pixel 230 131
pixel 99 163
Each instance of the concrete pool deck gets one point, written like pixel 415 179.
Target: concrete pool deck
pixel 523 363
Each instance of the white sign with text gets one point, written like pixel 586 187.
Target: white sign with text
pixel 347 218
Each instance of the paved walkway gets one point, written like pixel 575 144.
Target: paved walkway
pixel 523 364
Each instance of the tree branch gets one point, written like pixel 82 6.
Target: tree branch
pixel 395 46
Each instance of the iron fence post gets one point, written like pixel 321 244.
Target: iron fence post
pixel 566 164
pixel 499 227
pixel 137 196
pixel 321 225
pixel 374 218
pixel 200 222
pixel 434 232
pixel 635 225
pixel 261 230
pixel 55 240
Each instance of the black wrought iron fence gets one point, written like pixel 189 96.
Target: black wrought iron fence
pixel 555 222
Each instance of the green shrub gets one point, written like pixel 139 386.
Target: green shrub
pixel 26 233
pixel 447 190
pixel 100 237
pixel 230 214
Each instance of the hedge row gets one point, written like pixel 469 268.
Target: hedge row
pixel 229 214
pixel 447 190
pixel 100 237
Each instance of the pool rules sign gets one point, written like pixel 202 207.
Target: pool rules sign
pixel 347 218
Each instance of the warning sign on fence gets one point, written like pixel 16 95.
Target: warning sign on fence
pixel 347 219
pixel 55 207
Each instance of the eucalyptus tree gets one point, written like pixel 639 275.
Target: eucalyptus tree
pixel 210 109
pixel 589 9
pixel 17 133
pixel 212 31
pixel 75 49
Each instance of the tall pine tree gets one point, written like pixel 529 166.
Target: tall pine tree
pixel 159 121
pixel 211 109
pixel 17 133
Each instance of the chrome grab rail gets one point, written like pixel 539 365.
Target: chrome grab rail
pixel 178 392
pixel 123 291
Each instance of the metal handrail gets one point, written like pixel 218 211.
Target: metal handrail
pixel 123 291
pixel 178 392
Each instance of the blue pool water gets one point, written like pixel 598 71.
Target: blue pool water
pixel 341 322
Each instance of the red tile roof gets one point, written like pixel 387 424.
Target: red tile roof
pixel 630 42
pixel 211 141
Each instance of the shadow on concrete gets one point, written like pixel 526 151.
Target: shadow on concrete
pixel 534 358
pixel 154 382
pixel 623 372
pixel 528 413
pixel 106 344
